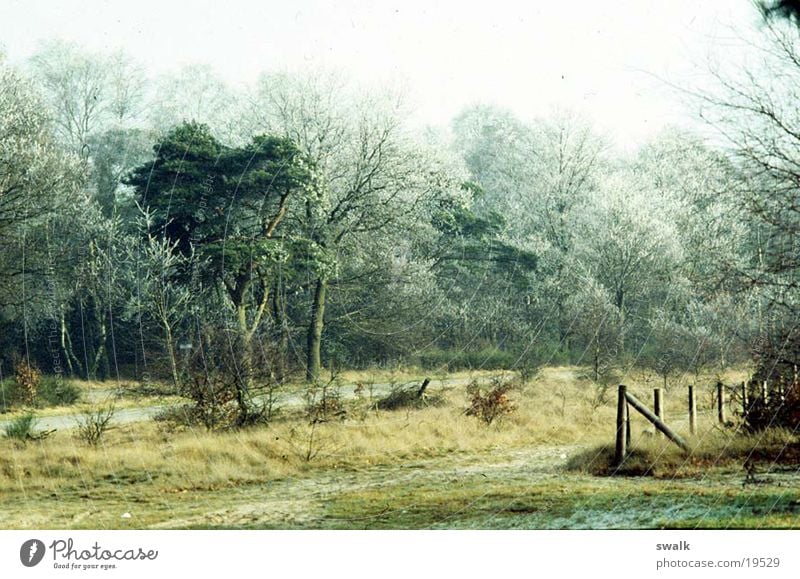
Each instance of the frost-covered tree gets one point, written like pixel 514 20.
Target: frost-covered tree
pixel 630 246
pixel 696 187
pixel 195 93
pixel 372 178
pixel 36 179
pixel 540 175
pixel 753 107
pixel 596 325
pixel 88 93
pixel 154 287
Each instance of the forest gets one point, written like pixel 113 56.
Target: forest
pixel 303 220
pixel 220 243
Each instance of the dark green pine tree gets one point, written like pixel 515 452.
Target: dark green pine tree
pixel 223 206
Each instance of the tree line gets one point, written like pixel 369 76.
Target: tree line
pixel 302 224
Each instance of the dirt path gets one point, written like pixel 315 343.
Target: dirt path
pixel 129 415
pixel 68 421
pixel 302 502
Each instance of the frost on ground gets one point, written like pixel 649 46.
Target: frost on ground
pixel 563 500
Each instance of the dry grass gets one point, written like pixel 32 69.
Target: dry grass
pixel 659 458
pixel 196 458
pixel 149 463
pixel 555 408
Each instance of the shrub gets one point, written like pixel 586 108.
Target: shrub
pixel 56 391
pixel 21 428
pixel 323 402
pixel 491 404
pixel 178 417
pixel 410 397
pixel 528 369
pixel 213 399
pixel 484 359
pixel 221 381
pixel 775 412
pixel 94 425
pixel 777 355
pixel 50 391
pixel 27 377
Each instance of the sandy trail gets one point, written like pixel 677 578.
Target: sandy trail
pixel 140 414
pixel 302 502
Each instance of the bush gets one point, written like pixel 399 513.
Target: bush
pixel 218 381
pixel 94 425
pixel 775 413
pixel 56 391
pixel 491 404
pixel 323 402
pixel 178 417
pixel 213 399
pixel 777 356
pixel 528 370
pixel 50 391
pixel 21 428
pixel 410 398
pixel 27 378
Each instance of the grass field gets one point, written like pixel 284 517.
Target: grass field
pixel 543 466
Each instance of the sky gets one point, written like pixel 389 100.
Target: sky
pixel 606 60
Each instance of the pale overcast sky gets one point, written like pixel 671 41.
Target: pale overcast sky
pixel 595 57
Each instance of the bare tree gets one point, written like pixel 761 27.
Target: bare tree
pixel 36 178
pixel 155 265
pixel 196 93
pixel 371 177
pixel 88 93
pixel 632 247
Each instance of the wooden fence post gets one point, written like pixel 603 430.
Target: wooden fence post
pixel 658 403
pixel 622 426
pixel 721 402
pixel 628 437
pixel 692 411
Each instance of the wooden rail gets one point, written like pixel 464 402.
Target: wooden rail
pixel 752 394
pixel 625 399
pixel 657 422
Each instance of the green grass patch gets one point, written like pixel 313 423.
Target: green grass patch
pixel 572 503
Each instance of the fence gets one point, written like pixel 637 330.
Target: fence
pixel 748 394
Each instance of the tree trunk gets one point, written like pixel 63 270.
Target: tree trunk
pixel 173 363
pixel 620 303
pixel 279 316
pixel 244 379
pixel 100 362
pixel 597 359
pixel 66 347
pixel 247 330
pixel 315 326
